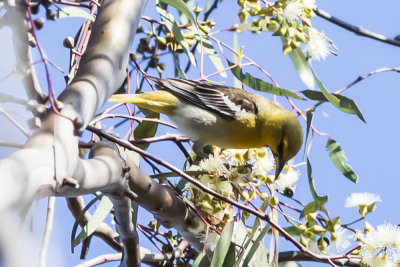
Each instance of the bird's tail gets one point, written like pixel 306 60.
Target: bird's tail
pixel 159 101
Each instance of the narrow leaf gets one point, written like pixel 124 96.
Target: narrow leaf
pixel 99 215
pixel 222 246
pixel 344 101
pixel 174 29
pixel 80 218
pixel 254 247
pixel 339 159
pixel 340 102
pixel 178 69
pixel 309 116
pixel 181 6
pixel 319 201
pixel 260 85
pixel 256 224
pixel 293 231
pixel 230 257
pixel 309 208
pixel 135 211
pixel 146 129
pixel 236 58
pixel 70 11
pixel 201 261
pixel 302 66
pixel 314 95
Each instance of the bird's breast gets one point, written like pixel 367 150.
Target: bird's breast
pixel 208 128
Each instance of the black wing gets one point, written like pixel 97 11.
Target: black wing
pixel 223 100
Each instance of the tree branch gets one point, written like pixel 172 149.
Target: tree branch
pixel 49 161
pixel 15 17
pixel 357 30
pixel 48 229
pixel 301 256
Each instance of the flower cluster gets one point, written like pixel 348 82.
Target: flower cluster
pixel 229 172
pixel 381 247
pixel 289 19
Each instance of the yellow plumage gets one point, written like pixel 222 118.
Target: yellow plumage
pixel 224 116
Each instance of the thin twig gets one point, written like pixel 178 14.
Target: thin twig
pixel 300 256
pixel 6 98
pixel 357 80
pixel 19 126
pixel 361 78
pixel 138 119
pixel 100 260
pixel 166 137
pixel 11 144
pixel 357 30
pixel 48 229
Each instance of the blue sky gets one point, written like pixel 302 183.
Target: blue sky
pixel 372 148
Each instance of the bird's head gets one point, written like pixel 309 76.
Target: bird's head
pixel 290 143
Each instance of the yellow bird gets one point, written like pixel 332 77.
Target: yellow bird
pixel 223 116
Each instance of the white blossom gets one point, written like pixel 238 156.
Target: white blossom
pixel 361 199
pixel 214 164
pixel 341 241
pixel 264 164
pixel 318 45
pixel 309 4
pixel 380 247
pixel 286 180
pixel 293 10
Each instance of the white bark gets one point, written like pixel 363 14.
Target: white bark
pixel 51 154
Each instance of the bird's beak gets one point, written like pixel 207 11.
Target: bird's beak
pixel 279 163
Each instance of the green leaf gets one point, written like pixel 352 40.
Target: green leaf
pixel 254 246
pixel 344 101
pixel 79 219
pixel 314 95
pixel 146 129
pixel 181 6
pixel 260 85
pixel 302 66
pixel 339 159
pixel 174 29
pixel 309 208
pixel 309 116
pixel 99 215
pixel 293 231
pixel 135 211
pixel 178 69
pixel 223 245
pixel 201 261
pixel 70 11
pixel 261 256
pixel 230 257
pixel 340 102
pixel 319 201
pixel 236 58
